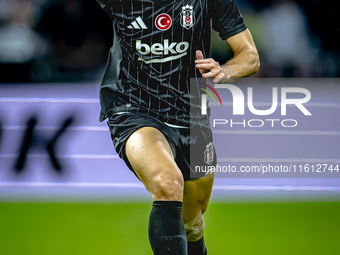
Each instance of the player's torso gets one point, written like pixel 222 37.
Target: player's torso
pixel 154 53
pixel 159 34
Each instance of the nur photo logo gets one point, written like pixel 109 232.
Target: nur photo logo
pixel 204 100
pixel 243 100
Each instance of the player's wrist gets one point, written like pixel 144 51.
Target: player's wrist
pixel 227 74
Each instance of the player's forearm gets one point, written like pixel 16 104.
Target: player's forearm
pixel 245 63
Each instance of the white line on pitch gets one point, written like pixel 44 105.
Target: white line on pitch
pixel 48 100
pixel 96 101
pixel 140 185
pixel 276 132
pixel 71 184
pixel 280 160
pixel 220 159
pixel 215 131
pixel 278 188
pixel 314 105
pixel 53 128
pixel 67 156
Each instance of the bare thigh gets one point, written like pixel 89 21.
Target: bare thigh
pixel 150 155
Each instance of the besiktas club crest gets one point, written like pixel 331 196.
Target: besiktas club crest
pixel 187 16
pixel 209 154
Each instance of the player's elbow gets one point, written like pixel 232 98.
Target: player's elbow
pixel 254 60
pixel 250 60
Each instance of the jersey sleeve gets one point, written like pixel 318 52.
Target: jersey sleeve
pixel 103 2
pixel 226 18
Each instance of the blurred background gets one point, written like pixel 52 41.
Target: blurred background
pixel 58 41
pixel 64 190
pixel 53 41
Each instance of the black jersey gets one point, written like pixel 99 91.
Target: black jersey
pixel 152 57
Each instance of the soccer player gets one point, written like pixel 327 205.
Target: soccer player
pixel 157 46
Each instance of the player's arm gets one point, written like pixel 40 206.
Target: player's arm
pixel 244 63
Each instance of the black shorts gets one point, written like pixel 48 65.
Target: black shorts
pixel 192 148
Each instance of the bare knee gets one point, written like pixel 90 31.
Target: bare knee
pixel 194 221
pixel 195 228
pixel 167 188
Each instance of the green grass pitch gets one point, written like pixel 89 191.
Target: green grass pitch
pixel 71 229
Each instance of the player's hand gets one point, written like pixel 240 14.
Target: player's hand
pixel 209 68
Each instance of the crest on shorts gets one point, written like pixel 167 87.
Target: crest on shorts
pixel 209 154
pixel 187 16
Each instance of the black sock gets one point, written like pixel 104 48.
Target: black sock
pixel 166 229
pixel 197 248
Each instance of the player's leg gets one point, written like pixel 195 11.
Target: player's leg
pixel 150 155
pixel 195 202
